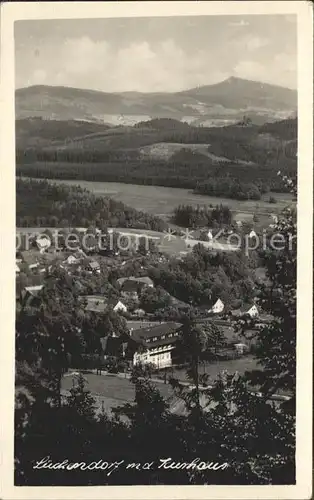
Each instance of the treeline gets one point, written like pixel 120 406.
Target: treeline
pixel 189 216
pixel 56 130
pixel 172 173
pixel 74 155
pixel 284 129
pixel 230 188
pixel 164 124
pixel 46 204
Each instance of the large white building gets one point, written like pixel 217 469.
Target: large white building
pixel 156 344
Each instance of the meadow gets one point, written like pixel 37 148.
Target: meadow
pixel 161 201
pixel 111 391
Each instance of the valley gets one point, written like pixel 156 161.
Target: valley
pixel 161 201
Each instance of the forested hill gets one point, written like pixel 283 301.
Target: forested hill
pixel 162 152
pixel 41 203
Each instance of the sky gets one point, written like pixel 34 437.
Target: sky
pixel 164 54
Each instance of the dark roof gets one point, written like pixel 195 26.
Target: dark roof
pixel 145 336
pixel 137 325
pixel 158 330
pixel 150 344
pixel 130 286
pixel 178 303
pixel 133 283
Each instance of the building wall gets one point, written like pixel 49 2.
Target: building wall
pixel 161 360
pixel 120 307
pixel 253 312
pixel 218 307
pixel 160 357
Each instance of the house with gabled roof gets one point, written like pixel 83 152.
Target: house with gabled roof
pixel 117 305
pixel 253 311
pixel 100 304
pixel 217 308
pixel 132 286
pixel 30 295
pixel 130 289
pixel 247 310
pixel 93 266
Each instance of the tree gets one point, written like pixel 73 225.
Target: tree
pixel 256 218
pixel 152 299
pixel 272 199
pixel 198 343
pixel 277 340
pixel 276 354
pixel 51 332
pixel 81 400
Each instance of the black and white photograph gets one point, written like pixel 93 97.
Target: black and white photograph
pixel 157 188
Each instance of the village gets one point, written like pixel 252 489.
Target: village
pixel 139 333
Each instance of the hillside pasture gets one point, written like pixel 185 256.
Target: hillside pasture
pixel 166 150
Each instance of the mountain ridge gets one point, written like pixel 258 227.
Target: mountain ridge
pixel 224 102
pixel 226 80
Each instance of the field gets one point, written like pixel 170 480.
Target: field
pixel 239 365
pixel 111 391
pixel 161 201
pixel 165 150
